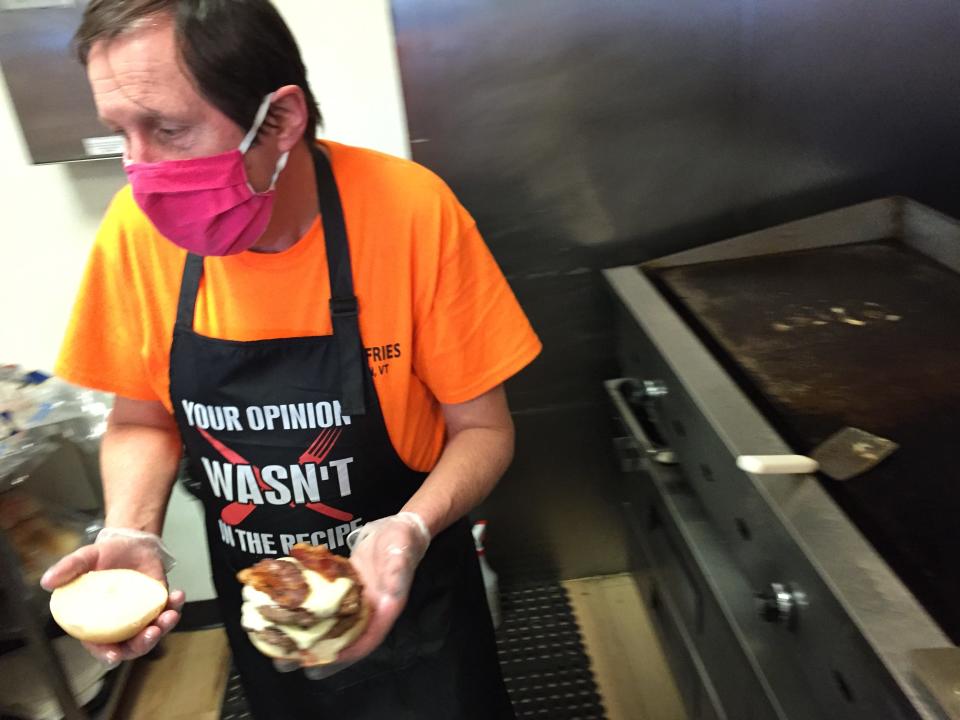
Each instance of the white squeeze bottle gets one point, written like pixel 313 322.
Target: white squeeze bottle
pixel 490 582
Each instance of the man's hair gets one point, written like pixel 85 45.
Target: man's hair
pixel 236 50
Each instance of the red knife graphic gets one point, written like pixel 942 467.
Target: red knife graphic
pixel 236 512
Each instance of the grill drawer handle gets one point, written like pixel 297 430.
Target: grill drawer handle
pixel 638 437
pixel 777 464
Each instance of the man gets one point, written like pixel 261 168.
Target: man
pixel 330 374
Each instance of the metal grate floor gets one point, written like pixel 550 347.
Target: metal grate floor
pixel 234 703
pixel 545 666
pixel 544 663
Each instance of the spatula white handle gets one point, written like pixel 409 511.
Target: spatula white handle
pixel 777 464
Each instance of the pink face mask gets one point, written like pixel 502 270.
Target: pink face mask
pixel 206 205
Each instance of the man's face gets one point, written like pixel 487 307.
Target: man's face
pixel 143 92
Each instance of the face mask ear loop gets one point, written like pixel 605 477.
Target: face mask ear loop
pixel 281 164
pixel 257 122
pixel 252 134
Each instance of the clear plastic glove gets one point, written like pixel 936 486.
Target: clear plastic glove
pixel 386 554
pixel 134 550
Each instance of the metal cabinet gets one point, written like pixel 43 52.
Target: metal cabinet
pixel 680 563
pixel 48 85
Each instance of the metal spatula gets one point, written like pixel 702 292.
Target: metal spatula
pixel 851 452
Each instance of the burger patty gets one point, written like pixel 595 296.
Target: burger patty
pixel 343 624
pixel 303 618
pixel 277 638
pixel 282 640
pixel 297 617
pixel 350 605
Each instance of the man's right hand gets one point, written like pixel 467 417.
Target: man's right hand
pixel 134 550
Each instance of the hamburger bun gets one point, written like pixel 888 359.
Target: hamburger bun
pixel 108 606
pixel 305 608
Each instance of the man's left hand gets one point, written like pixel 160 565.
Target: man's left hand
pixel 386 554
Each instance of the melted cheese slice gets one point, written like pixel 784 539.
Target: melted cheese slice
pixel 306 638
pixel 256 598
pixel 251 619
pixel 325 596
pixel 326 651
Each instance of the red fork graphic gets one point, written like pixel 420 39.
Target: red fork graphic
pixel 236 512
pixel 321 447
pixel 317 453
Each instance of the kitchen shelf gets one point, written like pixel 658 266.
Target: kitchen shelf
pixel 27 625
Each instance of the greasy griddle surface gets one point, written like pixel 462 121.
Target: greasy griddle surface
pixel 866 335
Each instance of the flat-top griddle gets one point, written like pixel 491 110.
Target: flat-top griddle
pixel 864 335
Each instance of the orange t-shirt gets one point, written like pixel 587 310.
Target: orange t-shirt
pixel 439 322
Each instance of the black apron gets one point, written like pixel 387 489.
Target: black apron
pixel 286 443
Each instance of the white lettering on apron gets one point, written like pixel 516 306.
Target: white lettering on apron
pixel 247 489
pixel 343 475
pixel 272 412
pixel 280 493
pixel 233 418
pixel 220 477
pixel 188 410
pixel 203 419
pixel 324 414
pixel 255 418
pixel 305 488
pixel 341 418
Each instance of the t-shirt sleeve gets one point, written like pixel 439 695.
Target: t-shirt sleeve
pixel 104 338
pixel 474 335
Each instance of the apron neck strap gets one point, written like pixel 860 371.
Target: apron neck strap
pixel 343 302
pixel 334 232
pixel 189 286
pixel 344 309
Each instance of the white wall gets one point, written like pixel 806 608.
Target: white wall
pixel 349 50
pixel 49 214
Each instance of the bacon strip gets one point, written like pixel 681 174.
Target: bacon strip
pixel 282 581
pixel 322 561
